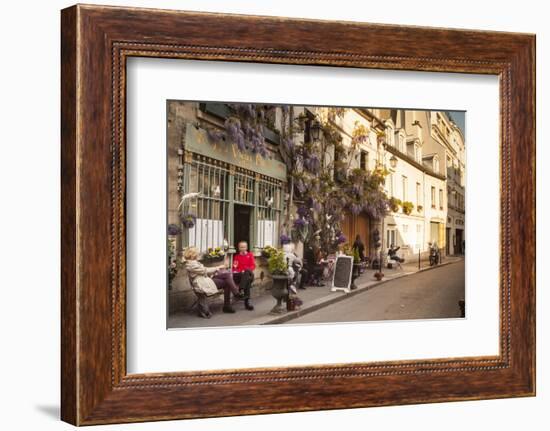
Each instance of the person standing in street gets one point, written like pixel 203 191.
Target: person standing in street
pixel 243 271
pixel 358 244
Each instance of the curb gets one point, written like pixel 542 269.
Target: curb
pixel 320 303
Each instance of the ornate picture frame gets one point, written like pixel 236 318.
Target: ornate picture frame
pixel 96 41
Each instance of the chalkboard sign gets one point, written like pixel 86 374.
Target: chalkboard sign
pixel 341 277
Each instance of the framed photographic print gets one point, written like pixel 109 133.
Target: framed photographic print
pixel 298 214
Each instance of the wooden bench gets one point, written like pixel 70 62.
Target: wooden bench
pixel 203 297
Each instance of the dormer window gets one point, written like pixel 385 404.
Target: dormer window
pixel 390 136
pixel 417 156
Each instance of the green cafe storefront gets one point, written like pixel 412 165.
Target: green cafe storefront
pixel 240 194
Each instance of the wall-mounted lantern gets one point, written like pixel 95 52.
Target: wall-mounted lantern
pixel 393 161
pixel 316 130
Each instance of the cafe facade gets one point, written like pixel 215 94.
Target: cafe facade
pixel 239 195
pixel 228 194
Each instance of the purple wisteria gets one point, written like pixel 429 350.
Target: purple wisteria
pixel 173 229
pixel 284 239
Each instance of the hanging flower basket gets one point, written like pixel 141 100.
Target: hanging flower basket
pixel 173 229
pixel 188 220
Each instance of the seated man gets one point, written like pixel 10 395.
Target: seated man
pixel 314 266
pixel 243 271
pixel 392 253
pixel 297 273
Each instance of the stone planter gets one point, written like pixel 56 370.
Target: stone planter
pixel 213 261
pixel 279 291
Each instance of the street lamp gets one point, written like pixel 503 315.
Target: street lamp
pixel 315 130
pixel 393 161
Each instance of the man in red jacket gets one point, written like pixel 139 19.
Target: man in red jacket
pixel 243 271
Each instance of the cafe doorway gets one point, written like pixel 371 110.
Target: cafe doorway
pixel 241 224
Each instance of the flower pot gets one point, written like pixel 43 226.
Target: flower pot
pixel 290 304
pixel 378 275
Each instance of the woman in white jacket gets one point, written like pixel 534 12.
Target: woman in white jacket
pixel 204 280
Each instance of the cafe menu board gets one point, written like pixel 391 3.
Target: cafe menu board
pixel 341 278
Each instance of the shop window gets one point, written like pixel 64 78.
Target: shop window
pixel 268 214
pixel 256 203
pixel 209 209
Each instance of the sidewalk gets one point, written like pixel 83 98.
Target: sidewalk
pixel 313 299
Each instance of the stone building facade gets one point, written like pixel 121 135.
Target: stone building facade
pixel 416 180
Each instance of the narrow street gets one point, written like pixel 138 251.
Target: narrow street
pixel 426 295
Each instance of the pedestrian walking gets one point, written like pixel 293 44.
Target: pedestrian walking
pixel 360 247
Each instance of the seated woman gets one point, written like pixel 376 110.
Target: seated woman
pixel 202 279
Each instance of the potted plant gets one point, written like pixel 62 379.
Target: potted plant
pixel 268 251
pixel 173 230
pixel 378 275
pixel 394 204
pixel 407 207
pixel 172 272
pixel 172 263
pixel 213 255
pixel 278 268
pixel 419 208
pixel 188 220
